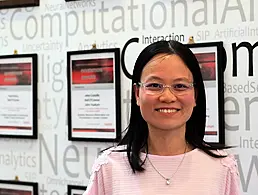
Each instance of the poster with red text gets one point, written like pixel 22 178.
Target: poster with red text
pixel 16 88
pixel 209 60
pixel 93 94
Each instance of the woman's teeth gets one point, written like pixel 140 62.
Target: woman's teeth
pixel 167 110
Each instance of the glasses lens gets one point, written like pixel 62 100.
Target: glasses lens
pixel 181 88
pixel 153 88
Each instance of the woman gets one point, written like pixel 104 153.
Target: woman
pixel 163 151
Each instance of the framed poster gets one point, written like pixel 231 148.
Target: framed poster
pixel 75 190
pixel 18 187
pixel 18 88
pixel 18 3
pixel 212 59
pixel 94 95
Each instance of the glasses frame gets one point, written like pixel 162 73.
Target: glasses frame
pixel 191 85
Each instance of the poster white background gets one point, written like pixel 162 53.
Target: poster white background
pixel 57 27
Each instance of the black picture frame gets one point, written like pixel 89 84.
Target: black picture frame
pixel 18 187
pixel 75 190
pixel 212 59
pixel 18 3
pixel 104 126
pixel 19 73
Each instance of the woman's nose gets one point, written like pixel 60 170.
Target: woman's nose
pixel 167 95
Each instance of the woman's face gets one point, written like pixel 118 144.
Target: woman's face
pixel 166 110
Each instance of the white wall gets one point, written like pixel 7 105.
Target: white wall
pixel 57 27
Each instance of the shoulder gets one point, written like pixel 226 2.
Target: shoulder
pixel 109 157
pixel 226 163
pixel 229 161
pixel 102 169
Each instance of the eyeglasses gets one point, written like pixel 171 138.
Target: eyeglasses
pixel 180 88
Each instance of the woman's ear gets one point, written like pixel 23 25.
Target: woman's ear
pixel 136 93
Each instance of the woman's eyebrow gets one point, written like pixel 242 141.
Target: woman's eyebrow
pixel 153 77
pixel 182 79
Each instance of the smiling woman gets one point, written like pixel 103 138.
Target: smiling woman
pixel 163 150
pixel 165 109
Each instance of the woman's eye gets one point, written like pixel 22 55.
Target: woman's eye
pixel 153 85
pixel 180 86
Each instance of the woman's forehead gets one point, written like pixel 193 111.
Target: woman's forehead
pixel 166 66
pixel 159 58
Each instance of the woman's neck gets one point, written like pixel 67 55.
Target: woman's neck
pixel 167 143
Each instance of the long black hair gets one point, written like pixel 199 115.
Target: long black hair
pixel 137 132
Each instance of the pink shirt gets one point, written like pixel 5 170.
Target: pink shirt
pixel 199 174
